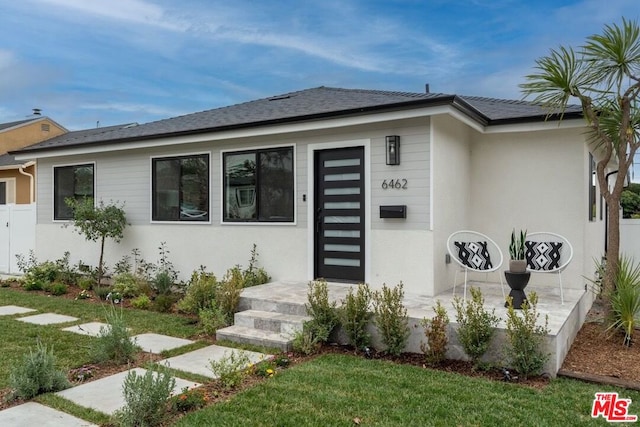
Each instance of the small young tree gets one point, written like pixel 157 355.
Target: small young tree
pixel 97 223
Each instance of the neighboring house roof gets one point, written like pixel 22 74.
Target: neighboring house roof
pixel 310 104
pixel 8 161
pixel 9 125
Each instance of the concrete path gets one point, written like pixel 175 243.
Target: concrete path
pixel 106 394
pixel 32 414
pixel 199 361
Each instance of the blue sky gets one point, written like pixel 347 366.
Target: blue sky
pixel 118 61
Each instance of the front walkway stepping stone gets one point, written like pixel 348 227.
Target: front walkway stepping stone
pixel 157 343
pixel 92 328
pixel 7 310
pixel 34 414
pixel 198 361
pixel 47 319
pixel 106 394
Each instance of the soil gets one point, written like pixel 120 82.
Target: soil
pixel 596 354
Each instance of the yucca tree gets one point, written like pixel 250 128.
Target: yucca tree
pixel 603 75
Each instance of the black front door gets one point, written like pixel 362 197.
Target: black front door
pixel 339 218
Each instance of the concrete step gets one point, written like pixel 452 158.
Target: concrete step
pixel 259 337
pixel 270 321
pixel 279 306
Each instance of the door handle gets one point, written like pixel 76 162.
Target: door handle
pixel 318 219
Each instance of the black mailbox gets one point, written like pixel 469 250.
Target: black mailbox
pixel 396 211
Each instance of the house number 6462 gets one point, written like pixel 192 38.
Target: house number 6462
pixel 394 184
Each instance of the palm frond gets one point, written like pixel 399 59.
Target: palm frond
pixel 615 54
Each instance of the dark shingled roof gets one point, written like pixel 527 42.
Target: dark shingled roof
pixel 9 160
pixel 310 104
pixel 8 125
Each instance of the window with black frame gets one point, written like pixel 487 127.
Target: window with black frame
pixel 73 182
pixel 258 185
pixel 180 188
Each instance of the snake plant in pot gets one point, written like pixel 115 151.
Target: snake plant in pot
pixel 517 263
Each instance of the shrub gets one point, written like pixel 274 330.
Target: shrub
pixel 102 292
pixel 391 318
pixel 145 398
pixel 37 374
pixel 163 303
pixel 212 319
pixel 142 302
pixel 253 275
pixel 625 299
pixel 189 400
pixel 435 329
pixel 231 368
pixel 201 291
pixel 58 288
pixel 86 283
pixel 476 326
pixel 33 284
pixel 306 340
pixel 162 283
pixel 355 315
pixel 526 339
pixel 227 295
pixel 324 315
pixel 114 342
pixel 127 285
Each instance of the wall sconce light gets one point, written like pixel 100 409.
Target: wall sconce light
pixel 393 149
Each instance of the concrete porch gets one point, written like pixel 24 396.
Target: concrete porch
pixel 288 298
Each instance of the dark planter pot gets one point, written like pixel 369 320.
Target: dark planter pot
pixel 517 282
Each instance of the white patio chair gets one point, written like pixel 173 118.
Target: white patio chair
pixel 474 252
pixel 547 252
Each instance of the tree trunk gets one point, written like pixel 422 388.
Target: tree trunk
pixel 100 270
pixel 613 253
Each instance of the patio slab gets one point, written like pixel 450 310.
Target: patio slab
pixel 198 361
pixel 106 394
pixel 48 319
pixel 8 310
pixel 34 414
pixel 157 343
pixel 92 328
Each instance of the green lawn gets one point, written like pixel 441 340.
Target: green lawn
pixel 72 350
pixel 329 390
pixel 333 390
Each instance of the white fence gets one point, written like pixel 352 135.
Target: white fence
pixel 17 234
pixel 630 238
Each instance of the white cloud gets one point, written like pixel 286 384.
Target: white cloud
pixel 148 109
pixel 129 11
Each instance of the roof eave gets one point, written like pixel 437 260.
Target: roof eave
pixel 444 100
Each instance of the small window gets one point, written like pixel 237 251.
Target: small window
pixel 258 186
pixel 75 182
pixel 180 188
pixel 3 193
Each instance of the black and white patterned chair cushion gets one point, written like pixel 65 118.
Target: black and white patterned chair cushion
pixel 474 255
pixel 543 255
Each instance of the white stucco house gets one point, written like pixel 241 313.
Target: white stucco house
pixel 309 177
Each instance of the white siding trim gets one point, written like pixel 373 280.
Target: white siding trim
pixel 311 149
pixel 295 185
pixel 173 156
pixel 432 149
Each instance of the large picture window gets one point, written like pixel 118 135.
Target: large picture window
pixel 180 188
pixel 258 185
pixel 74 182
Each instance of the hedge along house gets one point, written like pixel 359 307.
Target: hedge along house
pixel 349 185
